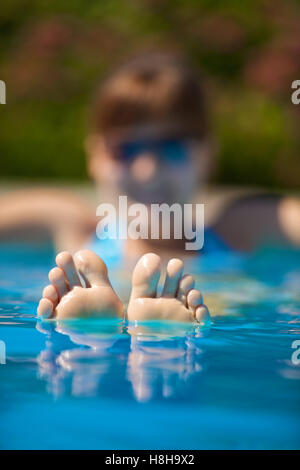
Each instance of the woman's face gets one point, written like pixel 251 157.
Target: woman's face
pixel 152 168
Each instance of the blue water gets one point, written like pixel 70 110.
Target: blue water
pixel 100 384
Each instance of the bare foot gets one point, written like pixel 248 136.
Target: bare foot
pixel 65 297
pixel 179 300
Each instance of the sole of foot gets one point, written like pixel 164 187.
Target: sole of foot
pixel 179 300
pixel 79 287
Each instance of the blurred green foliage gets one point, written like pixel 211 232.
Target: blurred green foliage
pixel 52 53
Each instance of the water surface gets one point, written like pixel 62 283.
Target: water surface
pixel 104 385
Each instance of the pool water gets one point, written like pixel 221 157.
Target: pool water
pixel 105 385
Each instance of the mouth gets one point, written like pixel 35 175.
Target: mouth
pixel 153 194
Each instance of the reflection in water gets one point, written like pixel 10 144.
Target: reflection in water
pixel 109 358
pixel 160 364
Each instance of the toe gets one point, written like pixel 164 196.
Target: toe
pixel 51 293
pixel 186 284
pixel 45 308
pixel 145 276
pixel 202 315
pixel 65 261
pixel 57 279
pixel 174 273
pixel 92 269
pixel 194 300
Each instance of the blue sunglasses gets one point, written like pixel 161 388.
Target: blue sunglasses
pixel 171 151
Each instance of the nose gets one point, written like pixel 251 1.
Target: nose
pixel 144 167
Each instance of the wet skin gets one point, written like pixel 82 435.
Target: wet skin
pixel 66 297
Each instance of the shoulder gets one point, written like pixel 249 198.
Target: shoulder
pixel 249 220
